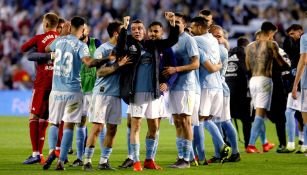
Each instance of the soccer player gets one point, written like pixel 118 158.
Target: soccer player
pixel 291 46
pixel 105 107
pixel 225 120
pixel 66 97
pixel 182 93
pixel 42 86
pixel 140 82
pixel 259 58
pixel 88 77
pixel 301 76
pixel 211 101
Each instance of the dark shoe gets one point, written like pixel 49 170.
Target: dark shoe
pixel 127 163
pixel 205 162
pixel 176 163
pixel 234 158
pixel 59 166
pixel 77 163
pixel 225 153
pixel 32 160
pixel 105 166
pixel 214 160
pixel 49 160
pixel 181 164
pixel 87 167
pixel 70 150
pixel 283 149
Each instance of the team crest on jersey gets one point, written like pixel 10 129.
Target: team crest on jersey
pixel 132 48
pixel 99 56
pixel 86 51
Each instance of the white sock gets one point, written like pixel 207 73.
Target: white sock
pixel 130 157
pixel 301 136
pixel 103 160
pixel 34 154
pixel 87 161
pixel 291 145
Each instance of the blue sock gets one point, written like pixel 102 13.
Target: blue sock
pixel 105 155
pixel 88 154
pixel 200 142
pixel 262 133
pixel 256 127
pixel 217 138
pixel 186 149
pixel 179 147
pixel 195 141
pixel 53 136
pixel 66 143
pixel 135 150
pixel 290 124
pixel 192 155
pixel 81 132
pixel 102 135
pixel 128 143
pixel 305 134
pixel 156 144
pixel 231 135
pixel 150 143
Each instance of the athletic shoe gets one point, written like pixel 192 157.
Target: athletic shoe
pixel 105 166
pixel 205 162
pixel 150 164
pixel 59 166
pixel 181 164
pixel 70 150
pixel 137 166
pixel 252 149
pixel 77 163
pixel 32 160
pixel 66 161
pixel 87 167
pixel 49 160
pixel 127 163
pixel 174 165
pixel 214 160
pixel 268 146
pixel 283 149
pixel 194 162
pixel 234 158
pixel 225 152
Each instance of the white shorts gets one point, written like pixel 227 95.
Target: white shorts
pixel 261 89
pixel 87 98
pixel 66 106
pixel 304 100
pixel 294 103
pixel 226 109
pixel 211 102
pixel 195 115
pixel 182 102
pixel 145 106
pixel 105 109
pixel 165 111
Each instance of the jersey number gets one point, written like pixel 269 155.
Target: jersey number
pixel 63 67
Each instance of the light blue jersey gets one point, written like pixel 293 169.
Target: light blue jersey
pixel 209 50
pixel 185 48
pixel 224 59
pixel 144 78
pixel 108 85
pixel 69 51
pixel 303 49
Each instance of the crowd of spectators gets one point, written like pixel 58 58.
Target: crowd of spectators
pixel 21 19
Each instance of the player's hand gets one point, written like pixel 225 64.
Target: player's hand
pixel 294 92
pixel 124 60
pixel 163 87
pixel 170 17
pixel 169 71
pixel 126 20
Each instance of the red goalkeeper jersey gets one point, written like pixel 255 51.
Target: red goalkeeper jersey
pixel 44 69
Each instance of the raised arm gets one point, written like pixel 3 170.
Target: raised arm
pixel 122 38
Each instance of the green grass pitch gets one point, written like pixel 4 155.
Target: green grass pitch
pixel 15 148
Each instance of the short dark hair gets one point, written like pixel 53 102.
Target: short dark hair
pixel 113 27
pixel 61 20
pixel 52 19
pixel 242 41
pixel 155 23
pixel 200 21
pixel 294 27
pixel 181 15
pixel 138 21
pixel 267 27
pixel 77 22
pixel 205 12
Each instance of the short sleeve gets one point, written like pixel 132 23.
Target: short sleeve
pixel 84 51
pixel 303 44
pixel 192 47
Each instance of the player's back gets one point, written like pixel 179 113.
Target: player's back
pixel 69 51
pixel 261 55
pixel 208 43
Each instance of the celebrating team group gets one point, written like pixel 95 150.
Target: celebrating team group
pixel 180 77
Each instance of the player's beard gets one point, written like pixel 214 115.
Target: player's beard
pixel 82 38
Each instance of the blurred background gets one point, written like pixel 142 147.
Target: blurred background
pixel 21 19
